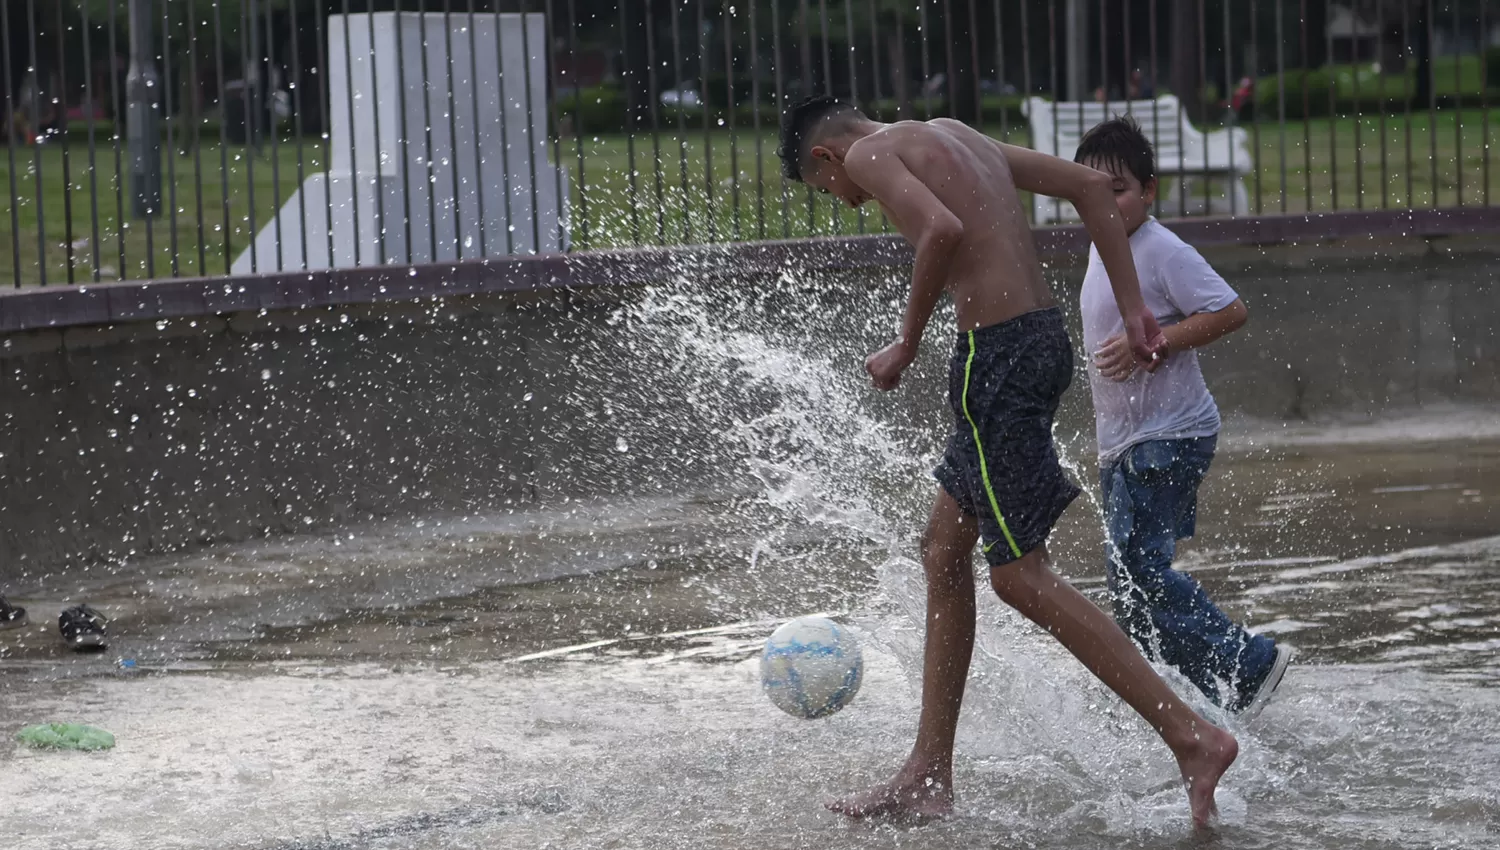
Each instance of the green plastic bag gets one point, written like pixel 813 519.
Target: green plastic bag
pixel 66 736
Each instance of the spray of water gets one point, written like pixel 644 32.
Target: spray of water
pixel 829 454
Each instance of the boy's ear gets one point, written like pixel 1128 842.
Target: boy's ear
pixel 825 154
pixel 1148 189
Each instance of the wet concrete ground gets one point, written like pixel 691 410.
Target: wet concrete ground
pixel 584 677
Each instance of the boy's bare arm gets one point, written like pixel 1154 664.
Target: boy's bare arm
pixel 876 165
pixel 1201 329
pixel 1114 360
pixel 1092 194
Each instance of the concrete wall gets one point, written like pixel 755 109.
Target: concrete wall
pixel 122 439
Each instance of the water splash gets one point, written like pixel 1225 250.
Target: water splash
pixel 828 453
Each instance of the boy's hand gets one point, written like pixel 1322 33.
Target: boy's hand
pixel 1114 359
pixel 1146 340
pixel 886 365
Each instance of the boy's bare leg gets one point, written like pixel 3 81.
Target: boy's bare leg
pixel 1203 751
pixel 924 785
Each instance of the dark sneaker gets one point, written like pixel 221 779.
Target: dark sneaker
pixel 10 616
pixel 1267 689
pixel 82 627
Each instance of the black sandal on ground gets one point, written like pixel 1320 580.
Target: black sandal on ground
pixel 10 616
pixel 82 628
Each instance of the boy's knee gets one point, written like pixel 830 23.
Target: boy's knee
pixel 1020 584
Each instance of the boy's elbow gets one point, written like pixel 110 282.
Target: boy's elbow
pixel 1094 193
pixel 945 232
pixel 1239 314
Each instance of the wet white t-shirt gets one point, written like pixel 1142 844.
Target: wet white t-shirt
pixel 1173 402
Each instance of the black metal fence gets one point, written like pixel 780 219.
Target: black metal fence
pixel 156 138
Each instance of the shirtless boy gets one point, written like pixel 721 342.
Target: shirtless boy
pixel 954 193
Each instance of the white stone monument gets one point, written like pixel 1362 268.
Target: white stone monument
pixel 389 159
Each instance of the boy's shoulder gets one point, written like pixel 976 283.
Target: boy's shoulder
pixel 1157 247
pixel 1158 240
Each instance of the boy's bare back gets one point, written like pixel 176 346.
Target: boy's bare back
pixel 994 274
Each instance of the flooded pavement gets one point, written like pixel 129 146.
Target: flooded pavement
pixel 586 677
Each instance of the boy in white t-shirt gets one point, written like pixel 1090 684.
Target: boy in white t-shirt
pixel 1157 430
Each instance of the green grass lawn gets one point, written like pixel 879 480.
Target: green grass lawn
pixel 627 194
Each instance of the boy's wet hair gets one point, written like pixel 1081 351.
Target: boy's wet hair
pixel 1119 142
pixel 799 129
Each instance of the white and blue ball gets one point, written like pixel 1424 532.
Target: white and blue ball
pixel 811 667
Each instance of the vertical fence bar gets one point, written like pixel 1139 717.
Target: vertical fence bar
pixel 781 105
pixel 60 109
pixel 274 129
pixel 1385 186
pixel 1103 57
pixel 88 96
pixel 170 149
pixel 1233 118
pixel 379 191
pixel 1484 97
pixel 807 90
pixel 115 124
pixel 36 111
pixel 874 50
pixel 874 13
pixel 1000 68
pixel 583 208
pixel 1056 96
pixel 755 96
pixel 651 109
pixel 1458 106
pixel 708 145
pixel 223 147
pixel 1255 102
pixel 403 142
pixel 249 97
pixel 354 135
pixel 479 182
pixel 10 149
pixel 536 226
pixel 1281 96
pixel 1333 115
pixel 195 118
pixel 727 15
pixel 1432 122
pixel 1125 64
pixel 682 133
pixel 504 129
pixel 456 205
pixel 950 61
pixel 974 62
pixel 1406 46
pixel 836 214
pixel 1359 120
pixel 804 18
pixel 320 31
pixel 826 68
pixel 554 124
pixel 1203 77
pixel 853 82
pixel 1306 119
pixel 297 86
pixel 1155 113
pixel 926 59
pixel 1026 89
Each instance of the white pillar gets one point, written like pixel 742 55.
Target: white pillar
pixel 444 180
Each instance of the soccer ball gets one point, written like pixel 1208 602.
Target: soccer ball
pixel 811 667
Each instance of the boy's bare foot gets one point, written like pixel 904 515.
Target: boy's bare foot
pixel 1202 762
pixel 912 795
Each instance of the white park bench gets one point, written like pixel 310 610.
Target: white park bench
pixel 1182 152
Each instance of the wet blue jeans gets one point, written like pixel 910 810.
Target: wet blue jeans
pixel 1151 502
